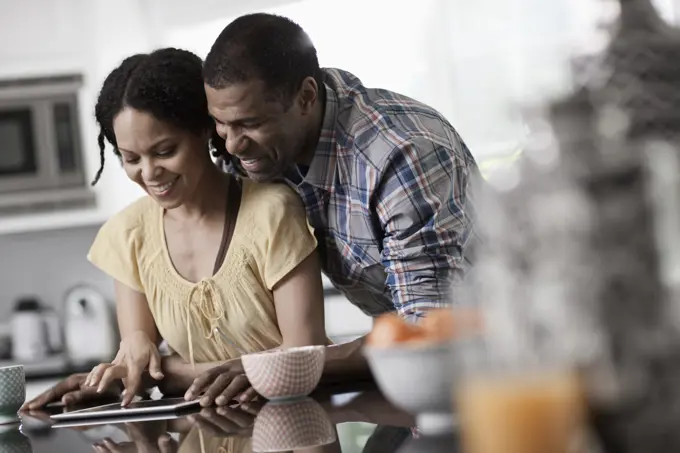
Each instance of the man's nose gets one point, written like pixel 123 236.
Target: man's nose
pixel 236 143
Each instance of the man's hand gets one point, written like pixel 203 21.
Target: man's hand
pixel 221 384
pixel 70 391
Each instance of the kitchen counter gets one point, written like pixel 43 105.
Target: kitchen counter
pixel 350 419
pixel 54 366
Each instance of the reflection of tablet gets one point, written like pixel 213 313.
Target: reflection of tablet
pixel 125 419
pixel 144 407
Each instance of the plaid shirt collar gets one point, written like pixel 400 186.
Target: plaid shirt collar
pixel 321 173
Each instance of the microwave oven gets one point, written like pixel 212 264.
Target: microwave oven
pixel 41 161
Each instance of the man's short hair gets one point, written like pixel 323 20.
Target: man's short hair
pixel 264 47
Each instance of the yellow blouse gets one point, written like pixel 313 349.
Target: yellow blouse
pixel 196 441
pixel 271 237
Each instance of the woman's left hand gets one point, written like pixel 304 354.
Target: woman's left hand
pixel 222 384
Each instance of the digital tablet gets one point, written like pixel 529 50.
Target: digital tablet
pixel 143 407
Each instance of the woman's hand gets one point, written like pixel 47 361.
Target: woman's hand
pixel 70 391
pixel 164 444
pixel 222 384
pixel 137 353
pixel 145 437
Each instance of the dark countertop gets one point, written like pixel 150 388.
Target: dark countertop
pixel 351 419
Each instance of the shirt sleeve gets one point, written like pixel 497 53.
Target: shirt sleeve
pixel 287 236
pixel 427 216
pixel 115 250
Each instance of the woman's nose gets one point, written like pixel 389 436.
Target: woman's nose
pixel 150 171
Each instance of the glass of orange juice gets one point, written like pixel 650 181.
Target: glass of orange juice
pixel 511 402
pixel 542 412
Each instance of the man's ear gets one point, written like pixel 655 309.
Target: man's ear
pixel 308 95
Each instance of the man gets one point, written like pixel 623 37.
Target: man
pixel 384 178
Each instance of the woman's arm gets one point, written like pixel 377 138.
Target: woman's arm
pixel 133 313
pixel 138 347
pixel 298 299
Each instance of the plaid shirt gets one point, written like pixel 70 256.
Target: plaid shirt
pixel 387 195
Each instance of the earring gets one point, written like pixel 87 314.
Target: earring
pixel 211 147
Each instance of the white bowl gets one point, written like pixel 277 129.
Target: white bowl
pixel 285 373
pixel 419 379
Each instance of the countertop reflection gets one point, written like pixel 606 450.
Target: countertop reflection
pixel 333 420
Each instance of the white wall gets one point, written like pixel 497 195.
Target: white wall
pixel 478 62
pixel 395 44
pixel 40 37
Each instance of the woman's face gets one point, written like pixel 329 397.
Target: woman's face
pixel 166 161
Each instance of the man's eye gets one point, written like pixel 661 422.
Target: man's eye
pixel 166 153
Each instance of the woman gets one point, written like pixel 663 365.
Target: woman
pixel 214 266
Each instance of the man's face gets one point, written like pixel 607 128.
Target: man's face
pixel 258 130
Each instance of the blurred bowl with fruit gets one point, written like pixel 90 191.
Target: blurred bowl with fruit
pixel 413 363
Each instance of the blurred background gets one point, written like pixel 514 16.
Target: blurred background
pixel 481 63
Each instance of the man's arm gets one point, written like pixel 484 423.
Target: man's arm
pixel 345 361
pixel 425 210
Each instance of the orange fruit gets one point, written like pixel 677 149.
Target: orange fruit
pixel 439 325
pixel 390 330
pixel 444 324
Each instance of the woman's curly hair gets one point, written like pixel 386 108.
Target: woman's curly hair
pixel 166 83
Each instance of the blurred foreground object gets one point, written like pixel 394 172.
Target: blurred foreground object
pixel 581 249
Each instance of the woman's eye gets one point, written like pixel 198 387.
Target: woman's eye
pixel 132 160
